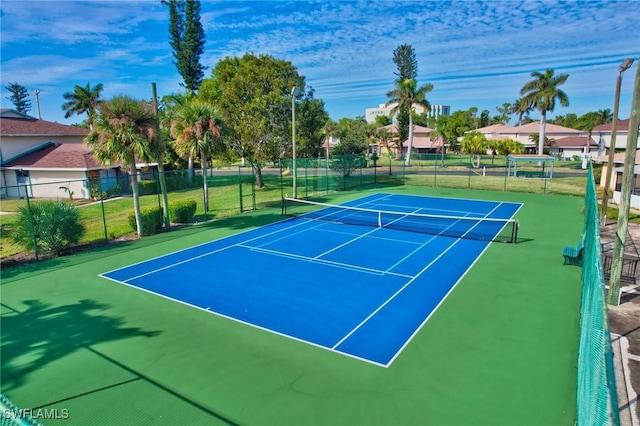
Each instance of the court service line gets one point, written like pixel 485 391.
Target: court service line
pixel 424 244
pixel 205 254
pixel 327 262
pixel 393 296
pixel 401 289
pixel 427 210
pixel 199 256
pixel 211 242
pixel 320 224
pixel 352 240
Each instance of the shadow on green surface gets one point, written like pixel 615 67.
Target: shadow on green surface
pixel 44 333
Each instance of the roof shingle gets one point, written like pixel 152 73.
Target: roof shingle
pixel 29 126
pixel 58 156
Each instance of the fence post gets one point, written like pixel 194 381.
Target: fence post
pixel 375 172
pixel 104 216
pixel 326 175
pixel 281 179
pixel 506 175
pixel 33 231
pixel 253 188
pixel 435 172
pixel 157 180
pixel 306 178
pixel 240 188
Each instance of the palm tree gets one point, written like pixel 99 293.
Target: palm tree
pixel 542 92
pixel 171 105
pixel 604 116
pixel 509 146
pixel 504 111
pixel 535 139
pixel 439 135
pixel 405 96
pixel 521 107
pixel 475 143
pixel 383 136
pixel 197 127
pixel 329 131
pixel 124 129
pixel 83 100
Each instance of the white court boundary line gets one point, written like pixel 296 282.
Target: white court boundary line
pixel 330 349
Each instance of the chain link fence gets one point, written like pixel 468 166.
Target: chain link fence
pixel 105 203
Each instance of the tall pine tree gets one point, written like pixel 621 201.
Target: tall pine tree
pixel 404 56
pixel 19 97
pixel 186 37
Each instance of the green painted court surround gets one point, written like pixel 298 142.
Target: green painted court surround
pixel 502 349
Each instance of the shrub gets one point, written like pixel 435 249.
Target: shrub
pixel 182 211
pixel 94 190
pixel 597 172
pixel 147 187
pixel 56 225
pixel 151 220
pixel 177 180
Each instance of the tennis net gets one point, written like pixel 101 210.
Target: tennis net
pixel 485 229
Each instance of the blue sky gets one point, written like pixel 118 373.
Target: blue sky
pixel 475 53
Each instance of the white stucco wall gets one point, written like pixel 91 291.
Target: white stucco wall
pixel 635 199
pixel 50 183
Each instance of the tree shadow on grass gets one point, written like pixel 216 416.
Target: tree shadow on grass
pixel 44 333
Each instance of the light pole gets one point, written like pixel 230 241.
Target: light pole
pixel 294 92
pixel 628 183
pixel 625 65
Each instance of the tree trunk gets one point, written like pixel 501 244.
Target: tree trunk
pixel 163 189
pixel 190 169
pixel 136 197
pixel 408 159
pixel 542 136
pixel 205 184
pixel 257 170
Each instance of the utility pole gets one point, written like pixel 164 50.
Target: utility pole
pixel 161 151
pixel 37 93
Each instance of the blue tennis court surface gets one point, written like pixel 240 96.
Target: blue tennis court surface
pixel 357 290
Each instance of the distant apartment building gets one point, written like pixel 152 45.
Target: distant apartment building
pixel 385 110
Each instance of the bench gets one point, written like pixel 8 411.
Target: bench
pixel 629 269
pixel 573 255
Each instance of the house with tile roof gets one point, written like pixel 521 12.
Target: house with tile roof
pixel 423 143
pixel 524 133
pixel 572 147
pixel 45 159
pixel 602 135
